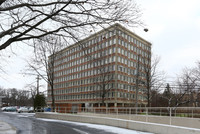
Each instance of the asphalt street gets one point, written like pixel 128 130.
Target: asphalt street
pixel 27 124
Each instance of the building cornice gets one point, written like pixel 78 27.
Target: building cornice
pixel 115 26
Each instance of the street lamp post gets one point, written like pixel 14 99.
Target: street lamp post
pixel 137 76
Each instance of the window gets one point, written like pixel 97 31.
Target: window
pixel 118 50
pixel 128 46
pixel 122 51
pixel 126 53
pixel 92 41
pixel 106 44
pixel 126 61
pixel 114 49
pixel 110 51
pixel 119 32
pixel 125 35
pixel 113 67
pixel 110 42
pixel 113 59
pixel 125 45
pixel 110 60
pixel 114 41
pixel 122 43
pixel 122 34
pixel 107 35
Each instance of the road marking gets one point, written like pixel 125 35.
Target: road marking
pixel 80 131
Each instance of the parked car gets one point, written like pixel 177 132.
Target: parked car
pixel 31 110
pixel 22 109
pixel 10 109
pixel 39 109
pixel 47 109
pixel 3 108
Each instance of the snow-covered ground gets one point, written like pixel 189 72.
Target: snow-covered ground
pixel 103 127
pixel 22 114
pixel 116 130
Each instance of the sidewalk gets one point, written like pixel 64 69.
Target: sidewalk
pixel 5 128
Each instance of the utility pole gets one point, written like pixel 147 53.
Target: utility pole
pixel 37 88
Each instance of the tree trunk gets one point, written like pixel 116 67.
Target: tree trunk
pixel 53 98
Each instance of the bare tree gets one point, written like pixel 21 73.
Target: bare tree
pixel 170 97
pixel 43 62
pixel 16 97
pixel 3 64
pixel 24 98
pixel 182 92
pixel 187 83
pixel 32 91
pixel 13 97
pixel 168 94
pixel 4 92
pixel 196 74
pixel 70 20
pixel 104 75
pixel 153 77
pixel 23 20
pixel 2 1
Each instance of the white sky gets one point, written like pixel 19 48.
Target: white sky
pixel 174 31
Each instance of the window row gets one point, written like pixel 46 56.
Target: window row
pixel 95 57
pixel 96 43
pixel 86 70
pixel 133 40
pixel 84 48
pixel 83 96
pixel 127 96
pixel 130 54
pixel 79 89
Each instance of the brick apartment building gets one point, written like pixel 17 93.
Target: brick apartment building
pixel 102 69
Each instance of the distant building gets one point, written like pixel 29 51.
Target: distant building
pixel 106 60
pixel 192 99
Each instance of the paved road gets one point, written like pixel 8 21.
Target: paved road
pixel 6 128
pixel 28 124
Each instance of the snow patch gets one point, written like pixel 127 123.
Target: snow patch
pixel 103 127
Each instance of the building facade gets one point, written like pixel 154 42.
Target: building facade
pixel 107 68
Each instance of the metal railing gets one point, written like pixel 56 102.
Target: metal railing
pixel 190 112
pixel 163 115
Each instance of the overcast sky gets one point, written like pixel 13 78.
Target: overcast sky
pixel 174 31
